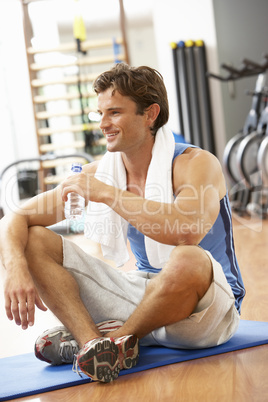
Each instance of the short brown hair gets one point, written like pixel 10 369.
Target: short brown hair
pixel 143 85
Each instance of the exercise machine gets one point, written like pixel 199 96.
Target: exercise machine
pixel 245 155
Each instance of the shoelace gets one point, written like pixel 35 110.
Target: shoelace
pixel 68 349
pixel 75 367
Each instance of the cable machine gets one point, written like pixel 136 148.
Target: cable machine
pixel 246 154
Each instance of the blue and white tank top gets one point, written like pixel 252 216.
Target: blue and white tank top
pixel 218 241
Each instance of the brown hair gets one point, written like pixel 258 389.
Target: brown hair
pixel 143 85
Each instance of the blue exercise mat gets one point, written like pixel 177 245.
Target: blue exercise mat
pixel 24 375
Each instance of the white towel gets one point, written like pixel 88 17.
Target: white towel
pixel 106 227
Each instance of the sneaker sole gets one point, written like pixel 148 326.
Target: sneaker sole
pixel 128 351
pixel 101 362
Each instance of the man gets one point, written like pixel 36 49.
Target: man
pixel 170 201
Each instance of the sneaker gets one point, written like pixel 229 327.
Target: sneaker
pixel 128 351
pixel 98 359
pixel 56 346
pixel 128 346
pixel 101 359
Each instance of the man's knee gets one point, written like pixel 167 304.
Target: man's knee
pixel 43 242
pixel 189 267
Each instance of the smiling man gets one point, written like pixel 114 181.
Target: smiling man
pixel 170 201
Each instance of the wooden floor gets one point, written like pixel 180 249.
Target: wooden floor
pixel 236 376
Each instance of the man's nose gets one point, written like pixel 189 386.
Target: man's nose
pixel 105 122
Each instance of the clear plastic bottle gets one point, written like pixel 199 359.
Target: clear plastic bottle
pixel 75 206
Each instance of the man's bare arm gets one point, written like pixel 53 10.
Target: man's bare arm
pixel 198 185
pixel 20 292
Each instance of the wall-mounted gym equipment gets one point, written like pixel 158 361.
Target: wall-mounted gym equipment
pixel 194 108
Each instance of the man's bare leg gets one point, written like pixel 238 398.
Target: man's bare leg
pixel 169 298
pixel 100 358
pixel 173 294
pixel 57 288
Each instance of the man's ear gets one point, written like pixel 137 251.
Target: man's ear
pixel 152 113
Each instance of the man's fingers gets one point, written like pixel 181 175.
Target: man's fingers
pixel 20 306
pixel 27 310
pixel 39 303
pixel 32 301
pixel 22 310
pixel 8 308
pixel 15 311
pixel 30 310
pixel 23 313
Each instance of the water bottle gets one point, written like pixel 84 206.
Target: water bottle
pixel 75 206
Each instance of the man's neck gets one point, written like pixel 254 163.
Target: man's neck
pixel 137 167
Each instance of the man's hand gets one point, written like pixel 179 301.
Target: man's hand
pixel 21 297
pixel 84 184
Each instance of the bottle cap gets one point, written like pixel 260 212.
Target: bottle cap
pixel 77 166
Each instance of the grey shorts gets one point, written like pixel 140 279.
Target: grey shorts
pixel 112 294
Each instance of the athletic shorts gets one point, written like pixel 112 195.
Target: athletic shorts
pixel 109 293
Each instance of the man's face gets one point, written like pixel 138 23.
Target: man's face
pixel 124 129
